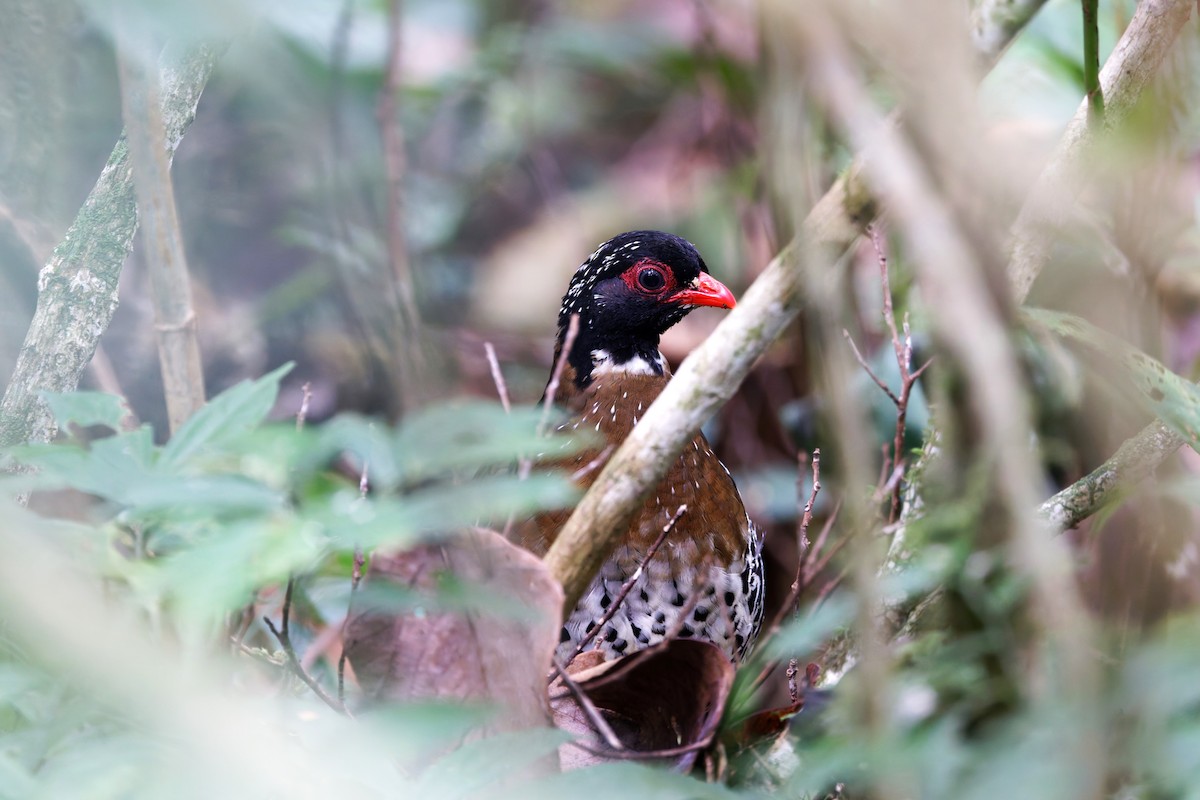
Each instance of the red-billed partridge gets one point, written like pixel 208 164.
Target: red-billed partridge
pixel 632 289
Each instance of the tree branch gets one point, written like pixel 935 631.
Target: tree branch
pixel 1133 64
pixel 1136 459
pixel 995 23
pixel 162 241
pixel 77 289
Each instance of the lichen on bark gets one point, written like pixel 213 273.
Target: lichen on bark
pixel 77 288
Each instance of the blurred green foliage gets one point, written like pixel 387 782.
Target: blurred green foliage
pixel 522 120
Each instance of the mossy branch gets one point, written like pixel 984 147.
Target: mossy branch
pixel 1134 461
pixel 77 289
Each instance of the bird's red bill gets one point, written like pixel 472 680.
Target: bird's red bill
pixel 706 291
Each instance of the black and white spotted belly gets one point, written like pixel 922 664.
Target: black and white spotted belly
pixel 728 611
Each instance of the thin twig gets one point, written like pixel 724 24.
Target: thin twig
pixel 903 348
pixel 287 607
pixel 497 376
pixel 285 641
pixel 817 567
pixel 811 565
pixel 1091 62
pixel 525 465
pixel 806 514
pixel 355 580
pixel 863 363
pixel 627 587
pixel 804 572
pixel 283 634
pixel 589 709
pixel 556 374
pixel 889 314
pixel 801 580
pixel 394 161
pixel 305 399
pixel 793 667
pixel 594 464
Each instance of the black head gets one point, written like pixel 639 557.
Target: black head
pixel 628 292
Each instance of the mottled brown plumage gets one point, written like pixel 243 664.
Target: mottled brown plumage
pixel 626 294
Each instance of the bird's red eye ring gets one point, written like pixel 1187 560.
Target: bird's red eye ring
pixel 651 279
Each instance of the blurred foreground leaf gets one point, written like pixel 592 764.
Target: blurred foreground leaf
pixel 86 408
pixel 1170 397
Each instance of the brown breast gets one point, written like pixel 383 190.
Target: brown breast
pixel 715 525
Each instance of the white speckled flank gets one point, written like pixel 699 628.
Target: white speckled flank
pixel 728 614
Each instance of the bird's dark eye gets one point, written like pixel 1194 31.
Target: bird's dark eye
pixel 651 279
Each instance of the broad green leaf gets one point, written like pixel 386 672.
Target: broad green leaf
pixel 1172 398
pixel 471 435
pixel 208 494
pixel 421 727
pixel 225 418
pixel 369 442
pixel 16 780
pixel 221 571
pixel 110 468
pixel 398 521
pixel 86 408
pixel 490 762
pixel 805 634
pixel 623 779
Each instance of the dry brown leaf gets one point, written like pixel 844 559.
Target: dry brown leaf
pixel 457 655
pixel 664 703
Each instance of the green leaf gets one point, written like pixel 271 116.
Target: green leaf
pixel 1171 397
pixel 210 494
pixel 369 442
pixel 472 435
pixel 225 418
pixel 16 780
pixel 110 468
pixel 487 763
pixel 221 571
pixel 807 633
pixel 625 779
pixel 398 521
pixel 87 408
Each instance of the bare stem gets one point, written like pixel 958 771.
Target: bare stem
pixel 305 400
pixel 392 134
pixel 498 376
pixel 599 723
pixel 284 636
pixel 355 580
